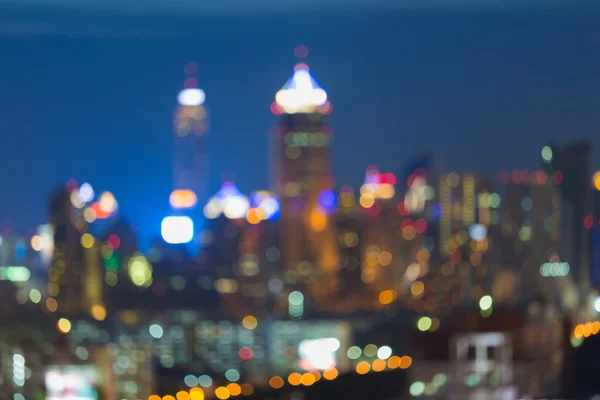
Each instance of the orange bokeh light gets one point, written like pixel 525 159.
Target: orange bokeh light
pixel 405 362
pixel 183 198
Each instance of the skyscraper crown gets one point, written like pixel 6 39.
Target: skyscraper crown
pixel 301 93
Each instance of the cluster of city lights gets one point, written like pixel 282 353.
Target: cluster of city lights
pixel 230 202
pixel 376 186
pixel 555 269
pixel 82 197
pixel 140 270
pixel 524 176
pixel 583 331
pixel 419 388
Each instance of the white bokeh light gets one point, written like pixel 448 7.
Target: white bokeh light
pixel 86 193
pixel 191 97
pixel 177 230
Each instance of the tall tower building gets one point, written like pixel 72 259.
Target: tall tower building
pixel 572 162
pixel 75 275
pixel 303 182
pixel 190 121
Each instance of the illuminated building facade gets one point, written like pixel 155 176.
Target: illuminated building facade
pixel 239 247
pixel 65 276
pixel 467 223
pixel 571 162
pixel 531 227
pixel 75 281
pixel 190 125
pixel 303 183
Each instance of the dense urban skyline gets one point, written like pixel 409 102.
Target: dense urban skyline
pixel 397 89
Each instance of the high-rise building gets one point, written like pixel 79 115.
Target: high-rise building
pixel 303 182
pixel 531 225
pixel 190 123
pixel 75 282
pixel 571 162
pixel 465 247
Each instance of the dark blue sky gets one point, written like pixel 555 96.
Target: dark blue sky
pixel 91 96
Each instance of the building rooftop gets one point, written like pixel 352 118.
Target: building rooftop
pixel 301 93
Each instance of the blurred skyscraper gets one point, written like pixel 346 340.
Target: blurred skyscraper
pixel 75 283
pixel 573 163
pixel 304 183
pixel 190 121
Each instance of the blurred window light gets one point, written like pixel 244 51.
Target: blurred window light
pixel 107 203
pixel 547 154
pixel 191 97
pixel 156 331
pixel 485 303
pixel 205 381
pixel 140 270
pixel 226 286
pixel 477 232
pixel 177 230
pixel 597 304
pixel 182 199
pixel 555 269
pixel 14 274
pixel 596 180
pixel 384 352
pixel 86 193
pixel 417 388
pixel 424 323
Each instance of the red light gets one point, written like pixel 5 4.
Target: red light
pixel 390 178
pixel 525 176
pixel 191 68
pixel 246 353
pixel 455 257
pixel 190 83
pixel 422 172
pixel 301 51
pixel 542 177
pixel 275 109
pixel 114 242
pixel 374 210
pixel 503 176
pixel 71 184
pixel 558 177
pixel 406 222
pixel 99 213
pixel 402 210
pixel 516 176
pixel 588 222
pixel 420 225
pixel 411 178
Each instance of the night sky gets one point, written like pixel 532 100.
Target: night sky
pixel 91 95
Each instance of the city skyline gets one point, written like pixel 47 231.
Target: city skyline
pixel 127 143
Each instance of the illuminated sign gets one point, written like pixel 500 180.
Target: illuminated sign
pixel 555 269
pixel 177 230
pixel 318 354
pixel 71 383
